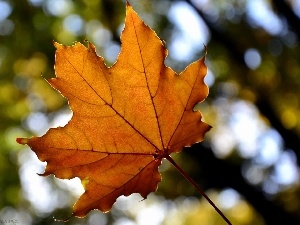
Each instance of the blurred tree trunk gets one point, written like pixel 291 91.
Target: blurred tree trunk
pixel 221 173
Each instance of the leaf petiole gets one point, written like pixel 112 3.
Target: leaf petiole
pixel 186 176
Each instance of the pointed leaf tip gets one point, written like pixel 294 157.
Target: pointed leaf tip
pixel 22 141
pixel 57 45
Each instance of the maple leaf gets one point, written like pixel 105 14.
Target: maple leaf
pixel 126 118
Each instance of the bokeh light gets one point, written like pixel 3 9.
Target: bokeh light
pixel 261 63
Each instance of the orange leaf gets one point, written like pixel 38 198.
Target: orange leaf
pixel 126 118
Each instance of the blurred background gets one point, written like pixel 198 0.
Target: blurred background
pixel 249 162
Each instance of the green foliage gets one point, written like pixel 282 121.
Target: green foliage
pixel 268 92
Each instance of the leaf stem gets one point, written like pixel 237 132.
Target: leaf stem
pixel 186 176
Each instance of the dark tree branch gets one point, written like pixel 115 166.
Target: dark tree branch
pixel 222 174
pixel 235 51
pixel 291 140
pixel 292 19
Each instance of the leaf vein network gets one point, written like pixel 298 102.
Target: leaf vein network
pixel 145 72
pixel 111 105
